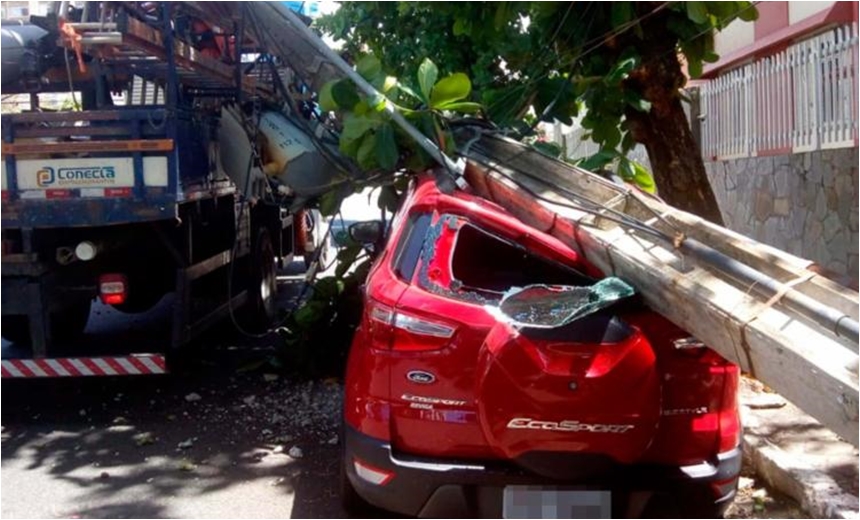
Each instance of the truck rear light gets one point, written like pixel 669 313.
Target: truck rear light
pixel 113 288
pixel 372 474
pixel 397 330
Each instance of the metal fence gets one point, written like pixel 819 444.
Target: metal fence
pixel 800 99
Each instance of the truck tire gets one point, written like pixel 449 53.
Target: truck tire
pixel 263 283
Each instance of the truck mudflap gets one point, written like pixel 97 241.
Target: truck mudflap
pixel 134 364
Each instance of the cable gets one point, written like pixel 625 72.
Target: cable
pixel 586 205
pixel 71 81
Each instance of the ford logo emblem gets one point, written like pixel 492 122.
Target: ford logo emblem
pixel 421 377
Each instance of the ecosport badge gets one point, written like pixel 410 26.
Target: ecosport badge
pixel 525 423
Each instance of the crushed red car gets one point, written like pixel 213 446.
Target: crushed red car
pixel 451 408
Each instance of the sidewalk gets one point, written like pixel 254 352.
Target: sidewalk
pixel 797 456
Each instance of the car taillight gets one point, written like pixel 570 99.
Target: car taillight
pixel 113 288
pixel 730 419
pixel 725 422
pixel 397 330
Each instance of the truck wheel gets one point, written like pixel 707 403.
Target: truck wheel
pixel 263 285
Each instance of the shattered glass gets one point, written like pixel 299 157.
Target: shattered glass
pixel 551 306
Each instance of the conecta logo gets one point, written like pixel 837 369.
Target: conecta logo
pixel 75 176
pixel 45 176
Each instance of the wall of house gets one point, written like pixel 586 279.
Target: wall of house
pixel 806 203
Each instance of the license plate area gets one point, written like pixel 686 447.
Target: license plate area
pixel 555 502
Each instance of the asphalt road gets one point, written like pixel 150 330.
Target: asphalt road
pixel 212 440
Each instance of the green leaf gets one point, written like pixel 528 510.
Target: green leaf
pixel 547 148
pixel 330 203
pixel 326 99
pixel 748 12
pixel 356 126
pixel 697 12
pixel 621 13
pixel 694 66
pixel 636 101
pixel 627 142
pixel 643 178
pixel 366 155
pixel 345 258
pixel 621 69
pixel 501 17
pixel 309 313
pixel 625 170
pixel 368 67
pixel 461 27
pixel 427 75
pixel 328 288
pixel 388 199
pixel 453 88
pixel 344 94
pixel 466 107
pixel 386 147
pixel 408 91
pixel 361 108
pixel 598 160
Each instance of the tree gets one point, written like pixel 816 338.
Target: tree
pixel 617 65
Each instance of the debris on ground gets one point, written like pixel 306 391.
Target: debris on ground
pixel 144 439
pixel 186 444
pixel 193 397
pixel 295 452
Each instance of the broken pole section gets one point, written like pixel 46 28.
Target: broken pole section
pixel 782 345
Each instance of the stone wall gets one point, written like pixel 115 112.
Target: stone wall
pixel 805 203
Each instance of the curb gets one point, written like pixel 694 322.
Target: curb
pixel 810 464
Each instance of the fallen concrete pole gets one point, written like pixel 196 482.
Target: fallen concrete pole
pixel 806 351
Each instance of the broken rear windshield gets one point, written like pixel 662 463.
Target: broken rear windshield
pixel 463 261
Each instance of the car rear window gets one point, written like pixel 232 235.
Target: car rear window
pixel 485 262
pixel 409 248
pixel 463 261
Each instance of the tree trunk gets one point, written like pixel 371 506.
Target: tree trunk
pixel 676 159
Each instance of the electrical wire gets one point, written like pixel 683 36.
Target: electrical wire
pixel 585 204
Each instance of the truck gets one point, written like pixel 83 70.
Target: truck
pixel 159 174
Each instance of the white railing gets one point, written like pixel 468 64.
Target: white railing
pixel 801 99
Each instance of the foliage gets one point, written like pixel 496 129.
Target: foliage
pixel 588 60
pixel 316 333
pixel 368 134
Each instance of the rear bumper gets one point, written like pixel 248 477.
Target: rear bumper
pixel 442 488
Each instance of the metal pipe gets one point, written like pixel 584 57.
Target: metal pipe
pixel 839 323
pixel 423 141
pixel 93 26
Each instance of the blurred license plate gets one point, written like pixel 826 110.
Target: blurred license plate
pixel 549 502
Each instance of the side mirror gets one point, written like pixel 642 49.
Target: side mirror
pixel 369 232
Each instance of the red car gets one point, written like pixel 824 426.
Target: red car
pixel 451 411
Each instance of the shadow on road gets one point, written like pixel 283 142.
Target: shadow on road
pixel 224 437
